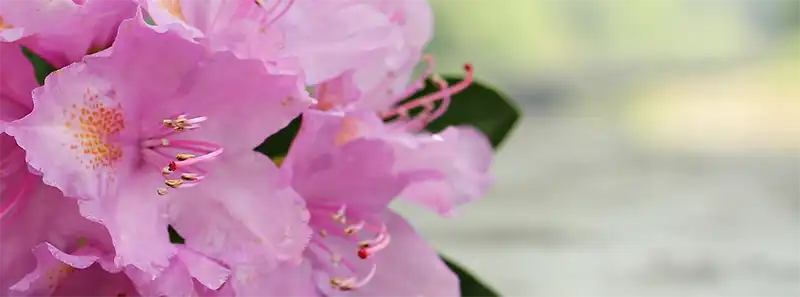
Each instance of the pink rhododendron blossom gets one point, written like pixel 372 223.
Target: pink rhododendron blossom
pixel 63 31
pixel 360 42
pixel 331 38
pixel 30 212
pixel 265 225
pixel 153 110
pixel 455 162
pixel 88 271
pixel 347 178
pixel 17 80
pixel 244 27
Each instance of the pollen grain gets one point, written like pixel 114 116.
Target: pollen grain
pixel 91 124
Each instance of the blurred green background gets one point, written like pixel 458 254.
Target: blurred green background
pixel 658 152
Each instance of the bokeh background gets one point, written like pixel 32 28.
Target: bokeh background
pixel 659 153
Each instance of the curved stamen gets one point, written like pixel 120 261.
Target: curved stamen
pixel 201 151
pixel 365 248
pixel 430 112
pixel 268 20
pixel 354 283
pixel 419 83
pixel 441 94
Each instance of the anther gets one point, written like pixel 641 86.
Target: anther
pixel 339 216
pixel 190 176
pixel 173 183
pixel 166 171
pixel 162 191
pixel 323 233
pixel 352 229
pixel 184 157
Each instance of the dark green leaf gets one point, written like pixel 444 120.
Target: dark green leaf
pixel 40 66
pixel 470 285
pixel 479 106
pixel 278 144
pixel 174 237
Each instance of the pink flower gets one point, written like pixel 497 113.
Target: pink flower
pixel 348 171
pixel 155 106
pixel 264 225
pixel 63 31
pixel 30 213
pixel 17 80
pixel 88 271
pixel 244 27
pixel 455 161
pixel 361 38
pixel 325 39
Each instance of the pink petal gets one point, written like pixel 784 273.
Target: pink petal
pixel 63 274
pixel 63 31
pixel 208 272
pixel 60 146
pixel 241 27
pixel 332 163
pixel 136 218
pixel 286 280
pixel 408 266
pixel 17 80
pixel 458 159
pixel 244 103
pixel 243 214
pixel 330 37
pixel 39 214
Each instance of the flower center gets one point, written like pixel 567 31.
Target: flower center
pixel 55 276
pixel 173 7
pixel 93 123
pixel 366 234
pixel 4 25
pixel 181 156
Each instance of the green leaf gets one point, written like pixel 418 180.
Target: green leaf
pixel 470 285
pixel 478 105
pixel 174 237
pixel 41 67
pixel 278 144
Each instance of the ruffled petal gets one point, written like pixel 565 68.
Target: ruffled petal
pixel 333 163
pixel 454 168
pixel 408 266
pixel 63 31
pixel 243 214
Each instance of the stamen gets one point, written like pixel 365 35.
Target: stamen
pixel 419 83
pixel 335 262
pixel 173 183
pixel 353 283
pixel 201 151
pixel 428 114
pixel 269 11
pixel 190 176
pixel 184 157
pixel 352 229
pixel 338 216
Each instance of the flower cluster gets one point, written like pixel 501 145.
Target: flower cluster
pixel 150 121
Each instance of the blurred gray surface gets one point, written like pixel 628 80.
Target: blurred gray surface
pixel 579 210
